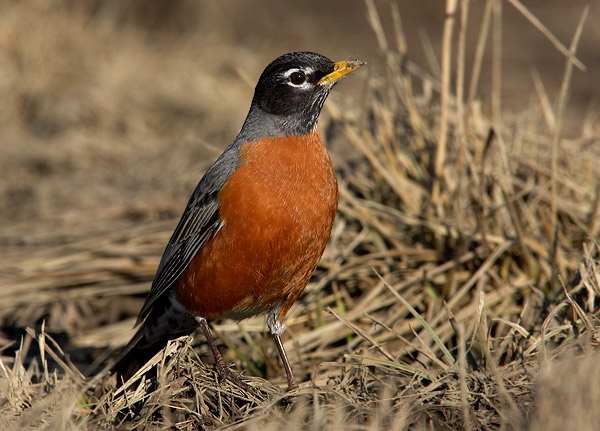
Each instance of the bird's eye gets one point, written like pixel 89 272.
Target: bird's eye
pixel 298 78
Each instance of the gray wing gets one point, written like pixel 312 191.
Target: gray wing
pixel 198 223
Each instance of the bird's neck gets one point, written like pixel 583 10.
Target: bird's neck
pixel 261 124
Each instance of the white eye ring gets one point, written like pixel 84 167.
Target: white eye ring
pixel 305 84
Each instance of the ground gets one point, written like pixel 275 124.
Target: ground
pixel 458 290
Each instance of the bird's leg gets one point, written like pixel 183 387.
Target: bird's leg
pixel 219 361
pixel 276 328
pixel 286 363
pixel 222 367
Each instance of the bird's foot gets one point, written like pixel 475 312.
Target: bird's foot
pixel 225 373
pixel 292 386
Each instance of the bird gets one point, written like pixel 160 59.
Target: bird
pixel 257 223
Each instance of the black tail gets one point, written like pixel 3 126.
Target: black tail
pixel 166 321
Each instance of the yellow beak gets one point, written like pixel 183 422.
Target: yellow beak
pixel 340 69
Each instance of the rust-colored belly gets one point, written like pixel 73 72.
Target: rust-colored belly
pixel 277 212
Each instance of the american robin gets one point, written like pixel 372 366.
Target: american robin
pixel 256 225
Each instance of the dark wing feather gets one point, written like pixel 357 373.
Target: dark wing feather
pixel 198 223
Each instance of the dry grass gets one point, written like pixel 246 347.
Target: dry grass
pixel 472 310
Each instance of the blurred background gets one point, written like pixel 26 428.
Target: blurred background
pixel 111 109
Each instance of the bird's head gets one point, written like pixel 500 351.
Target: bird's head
pixel 294 86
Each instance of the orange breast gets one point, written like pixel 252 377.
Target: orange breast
pixel 277 210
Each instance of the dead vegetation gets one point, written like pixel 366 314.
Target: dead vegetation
pixel 459 289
